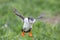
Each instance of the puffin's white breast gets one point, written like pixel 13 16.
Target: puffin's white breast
pixel 26 25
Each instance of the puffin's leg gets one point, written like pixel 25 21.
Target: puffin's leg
pixel 30 33
pixel 23 33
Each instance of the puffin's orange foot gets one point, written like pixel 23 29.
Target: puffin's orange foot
pixel 30 34
pixel 23 34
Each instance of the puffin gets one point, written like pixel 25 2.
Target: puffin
pixel 27 23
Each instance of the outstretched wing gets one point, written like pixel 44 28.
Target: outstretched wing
pixel 17 13
pixel 32 20
pixel 41 16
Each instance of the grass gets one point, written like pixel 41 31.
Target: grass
pixel 41 30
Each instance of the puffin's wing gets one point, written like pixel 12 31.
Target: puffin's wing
pixel 17 13
pixel 41 16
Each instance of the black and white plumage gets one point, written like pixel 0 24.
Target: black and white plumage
pixel 28 24
pixel 17 13
pixel 28 21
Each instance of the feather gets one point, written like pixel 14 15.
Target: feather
pixel 18 14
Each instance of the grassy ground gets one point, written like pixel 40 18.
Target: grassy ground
pixel 10 24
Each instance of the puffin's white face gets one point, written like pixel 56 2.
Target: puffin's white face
pixel 32 21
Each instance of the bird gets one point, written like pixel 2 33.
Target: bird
pixel 27 22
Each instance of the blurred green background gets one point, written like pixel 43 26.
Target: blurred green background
pixel 10 24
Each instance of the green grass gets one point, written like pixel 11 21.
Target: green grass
pixel 41 31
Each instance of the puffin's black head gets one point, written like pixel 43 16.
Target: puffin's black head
pixel 31 20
